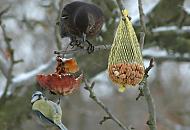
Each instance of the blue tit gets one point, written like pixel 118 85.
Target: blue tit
pixel 48 111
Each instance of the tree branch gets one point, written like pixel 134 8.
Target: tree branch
pixel 5 10
pixel 142 16
pixel 57 36
pixel 83 50
pixel 168 58
pixel 121 7
pixel 89 87
pixel 143 85
pixel 4 66
pixel 142 37
pixel 145 56
pixel 12 62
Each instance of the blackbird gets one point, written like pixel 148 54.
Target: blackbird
pixel 81 20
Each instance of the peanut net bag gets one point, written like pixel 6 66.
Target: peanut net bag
pixel 125 63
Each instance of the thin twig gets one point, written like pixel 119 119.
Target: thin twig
pixel 121 7
pixel 120 4
pixel 146 91
pixel 83 50
pixel 4 65
pixel 151 107
pixel 168 58
pixel 182 16
pixel 5 10
pixel 10 51
pixel 104 119
pixel 141 93
pixel 145 56
pixel 142 16
pixel 151 65
pixel 141 85
pixel 12 62
pixel 92 95
pixel 142 36
pixel 57 36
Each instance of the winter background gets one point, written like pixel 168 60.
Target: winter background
pixel 31 24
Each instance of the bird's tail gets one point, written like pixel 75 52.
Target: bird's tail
pixel 61 126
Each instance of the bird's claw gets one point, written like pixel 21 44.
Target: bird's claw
pixel 72 44
pixel 90 48
pixel 79 44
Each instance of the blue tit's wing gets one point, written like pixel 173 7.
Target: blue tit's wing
pixel 48 109
pixel 45 108
pixel 42 117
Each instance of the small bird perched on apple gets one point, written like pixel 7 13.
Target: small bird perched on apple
pixel 81 20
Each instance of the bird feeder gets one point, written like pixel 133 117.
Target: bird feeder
pixel 125 63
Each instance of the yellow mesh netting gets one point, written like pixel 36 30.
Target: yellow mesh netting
pixel 125 64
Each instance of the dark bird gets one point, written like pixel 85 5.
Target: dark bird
pixel 81 20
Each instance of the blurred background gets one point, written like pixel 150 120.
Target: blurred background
pixel 29 33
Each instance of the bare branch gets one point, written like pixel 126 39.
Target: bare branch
pixel 104 119
pixel 142 16
pixel 142 36
pixel 89 87
pixel 141 93
pixel 182 18
pixel 151 107
pixel 151 65
pixel 83 50
pixel 5 10
pixel 9 74
pixel 168 58
pixel 121 7
pixel 143 85
pixel 57 36
pixel 146 56
pixel 3 63
pixel 4 66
